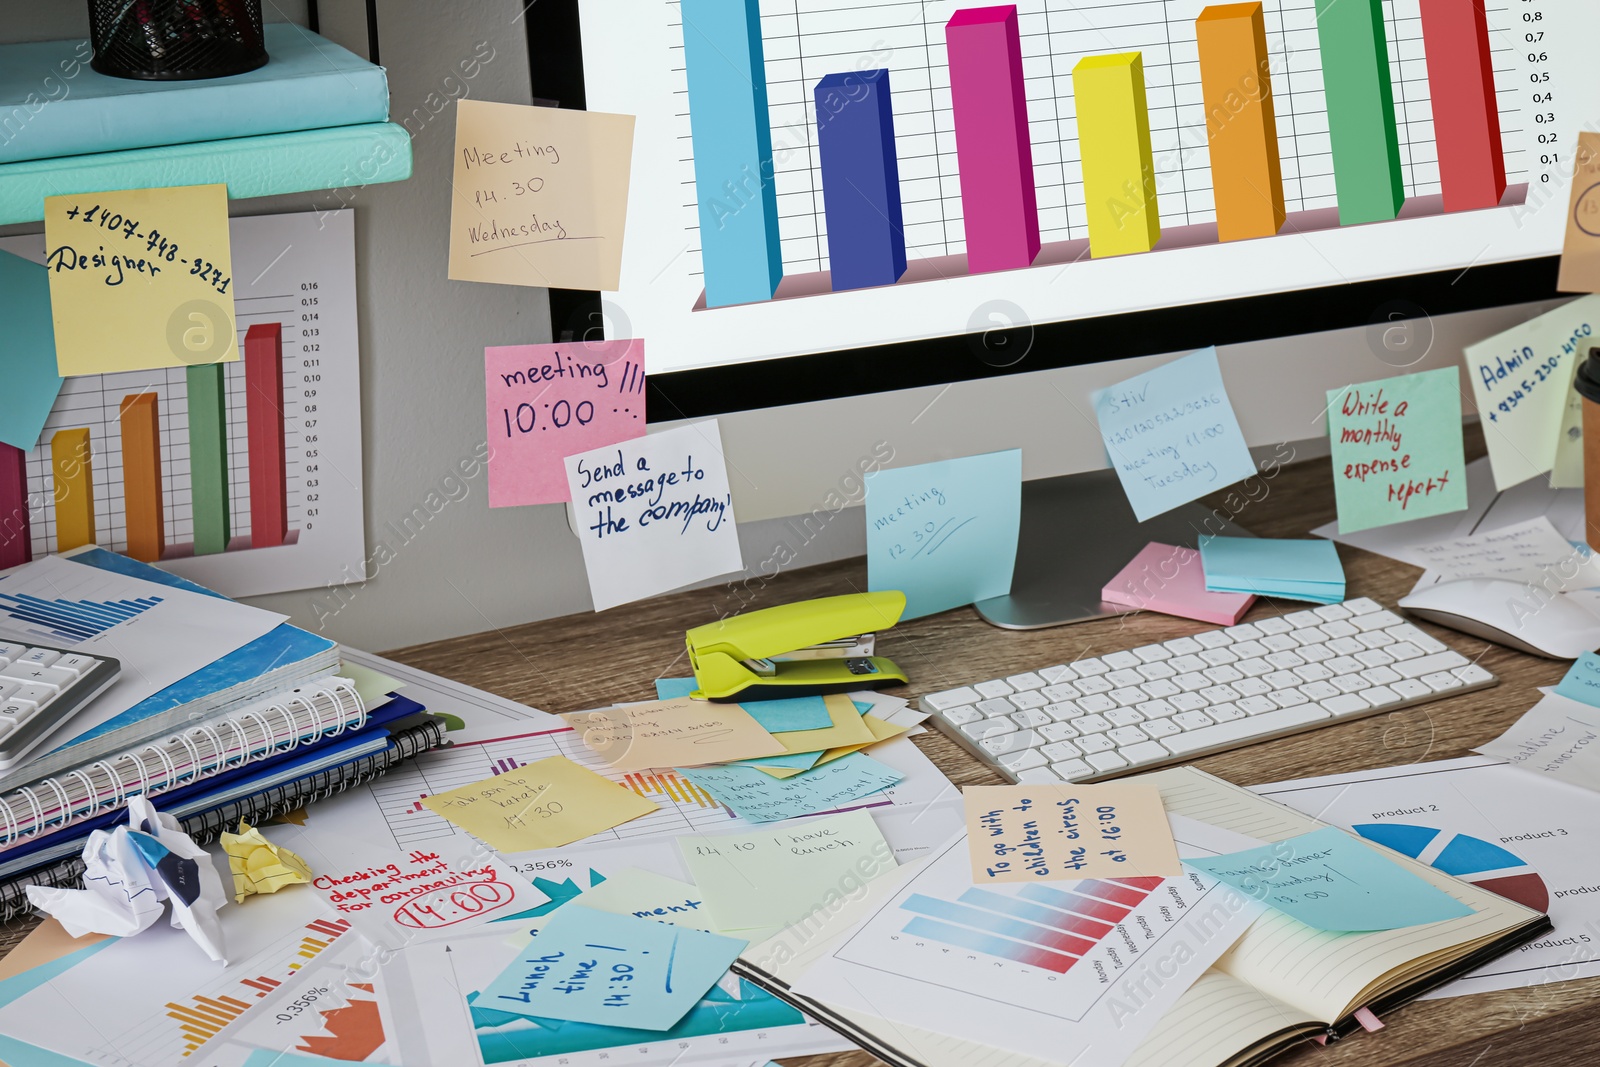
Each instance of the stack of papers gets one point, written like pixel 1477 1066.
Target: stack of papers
pixel 1294 570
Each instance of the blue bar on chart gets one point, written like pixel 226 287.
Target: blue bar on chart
pixel 71 621
pixel 860 180
pixel 732 138
pixel 989 945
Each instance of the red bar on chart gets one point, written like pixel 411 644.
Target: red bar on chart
pixel 993 154
pixel 142 510
pixel 16 530
pixel 263 382
pixel 1466 115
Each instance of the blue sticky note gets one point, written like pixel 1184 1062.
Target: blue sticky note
pixel 759 797
pixel 31 379
pixel 673 688
pixel 1582 682
pixel 1330 880
pixel 592 966
pixel 1171 434
pixel 945 533
pixel 1299 569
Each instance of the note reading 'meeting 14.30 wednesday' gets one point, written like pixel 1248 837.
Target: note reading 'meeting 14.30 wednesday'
pixel 140 279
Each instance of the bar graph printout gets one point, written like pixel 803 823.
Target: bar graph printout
pixel 1065 969
pixel 1103 155
pixel 245 476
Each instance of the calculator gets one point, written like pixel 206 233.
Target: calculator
pixel 41 689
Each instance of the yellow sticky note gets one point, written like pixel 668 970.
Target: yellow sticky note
pixel 259 866
pixel 847 729
pixel 674 733
pixel 540 195
pixel 881 731
pixel 140 279
pixel 1044 833
pixel 541 805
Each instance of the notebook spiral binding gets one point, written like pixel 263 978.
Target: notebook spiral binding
pixel 205 826
pixel 303 715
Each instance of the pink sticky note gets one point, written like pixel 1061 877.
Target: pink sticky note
pixel 1170 580
pixel 548 402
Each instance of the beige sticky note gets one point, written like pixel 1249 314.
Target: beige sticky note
pixel 1045 833
pixel 673 733
pixel 258 866
pixel 881 731
pixel 541 805
pixel 1580 252
pixel 540 195
pixel 847 729
pixel 140 279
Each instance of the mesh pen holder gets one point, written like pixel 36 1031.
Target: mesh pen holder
pixel 175 40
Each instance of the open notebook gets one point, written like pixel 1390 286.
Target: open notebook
pixel 1280 983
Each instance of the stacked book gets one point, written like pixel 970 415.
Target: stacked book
pixel 314 117
pixel 266 729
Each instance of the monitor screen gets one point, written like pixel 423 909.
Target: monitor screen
pixel 1103 162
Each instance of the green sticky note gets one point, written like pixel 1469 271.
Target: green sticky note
pixel 31 379
pixel 1397 449
pixel 1330 880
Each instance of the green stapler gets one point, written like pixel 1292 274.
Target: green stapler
pixel 796 649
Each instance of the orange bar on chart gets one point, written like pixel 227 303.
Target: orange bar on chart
pixel 1241 123
pixel 141 477
pixel 74 480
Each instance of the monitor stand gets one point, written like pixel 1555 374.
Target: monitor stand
pixel 1078 532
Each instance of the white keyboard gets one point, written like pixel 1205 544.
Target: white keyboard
pixel 1169 703
pixel 41 689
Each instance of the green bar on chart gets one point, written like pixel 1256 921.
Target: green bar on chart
pixel 208 458
pixel 1361 117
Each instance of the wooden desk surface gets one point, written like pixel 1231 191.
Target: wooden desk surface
pixel 583 661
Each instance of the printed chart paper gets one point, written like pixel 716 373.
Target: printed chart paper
pixel 140 279
pixel 541 195
pixel 654 514
pixel 548 402
pixel 1172 435
pixel 1397 449
pixel 945 533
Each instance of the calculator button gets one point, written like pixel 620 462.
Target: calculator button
pixel 28 674
pixel 10 652
pixel 42 656
pixel 79 665
pixel 35 695
pixel 14 712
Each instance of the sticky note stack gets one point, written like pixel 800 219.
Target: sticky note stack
pixel 1170 580
pixel 1295 570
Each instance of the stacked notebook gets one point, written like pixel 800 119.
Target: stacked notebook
pixel 266 729
pixel 314 117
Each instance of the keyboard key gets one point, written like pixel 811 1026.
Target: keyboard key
pixel 1344 703
pixel 996 706
pixel 1152 653
pixel 1188 701
pixel 995 688
pixel 1127 735
pixel 1095 743
pixel 1160 688
pixel 1287 698
pixel 1331 612
pixel 1442 681
pixel 1402 650
pixel 1229 733
pixel 1412 688
pixel 1096 702
pixel 1026 680
pixel 1031 717
pixel 1347 646
pixel 1312 672
pixel 1155 709
pixel 1338 629
pixel 1093 684
pixel 1273 626
pixel 1152 672
pixel 1374 657
pixel 1315 653
pixel 1244 631
pixel 1362 606
pixel 1057 731
pixel 31 674
pixel 988 728
pixel 1342 664
pixel 1127 698
pixel 1121 661
pixel 1073 769
pixel 1213 639
pixel 1186 664
pixel 1062 710
pixel 1001 744
pixel 1192 683
pixel 1253 668
pixel 1377 620
pixel 1380 675
pixel 1220 694
pixel 79 665
pixel 1088 668
pixel 1285 660
pixel 1350 683
pixel 1028 698
pixel 961 714
pixel 1061 751
pixel 1027 759
pixel 949 698
pixel 1143 753
pixel 1280 642
pixel 1222 675
pixel 1250 649
pixel 1091 724
pixel 1319 691
pixel 1301 619
pixel 1472 674
pixel 1408 632
pixel 1257 705
pixel 1216 657
pixel 1375 639
pixel 1124 716
pixel 1380 696
pixel 1226 712
pixel 1038 776
pixel 1192 720
pixel 1121 679
pixel 1059 691
pixel 39 657
pixel 1105 762
pixel 1159 728
pixel 1184 646
pixel 1057 674
pixel 1281 679
pixel 1251 687
pixel 1439 661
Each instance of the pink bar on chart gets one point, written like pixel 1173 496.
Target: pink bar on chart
pixel 16 531
pixel 1466 113
pixel 993 153
pixel 263 415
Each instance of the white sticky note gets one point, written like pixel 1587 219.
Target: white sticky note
pixel 1520 380
pixel 654 514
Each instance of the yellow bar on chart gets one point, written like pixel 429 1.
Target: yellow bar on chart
pixel 74 481
pixel 1119 176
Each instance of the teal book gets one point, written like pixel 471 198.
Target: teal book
pixel 52 104
pixel 340 157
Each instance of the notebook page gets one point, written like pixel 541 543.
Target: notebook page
pixel 1322 973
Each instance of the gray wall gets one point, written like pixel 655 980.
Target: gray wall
pixel 422 338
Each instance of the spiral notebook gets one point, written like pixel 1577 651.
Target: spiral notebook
pixel 304 715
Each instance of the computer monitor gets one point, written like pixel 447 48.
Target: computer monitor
pixel 1099 186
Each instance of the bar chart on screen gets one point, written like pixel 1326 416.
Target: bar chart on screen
pixel 243 476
